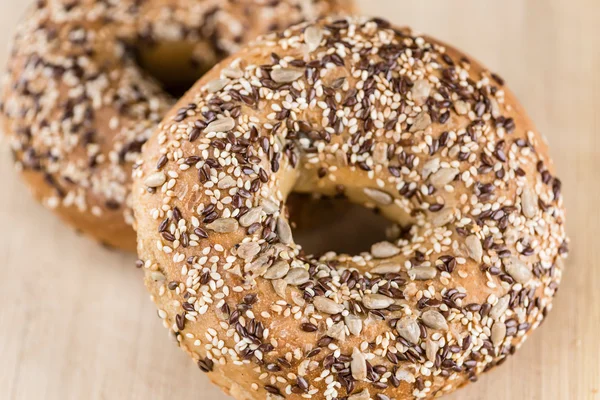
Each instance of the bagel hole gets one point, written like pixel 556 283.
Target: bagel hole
pixel 322 224
pixel 173 64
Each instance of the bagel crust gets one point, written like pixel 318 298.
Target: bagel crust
pixel 395 121
pixel 78 106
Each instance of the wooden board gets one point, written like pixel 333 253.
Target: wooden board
pixel 76 323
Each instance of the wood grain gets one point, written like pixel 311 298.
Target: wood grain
pixel 76 323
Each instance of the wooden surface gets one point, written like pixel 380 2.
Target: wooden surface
pixel 76 322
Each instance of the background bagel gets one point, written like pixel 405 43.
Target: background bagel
pixel 79 99
pixel 397 121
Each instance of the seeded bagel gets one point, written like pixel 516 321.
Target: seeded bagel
pixel 393 120
pixel 79 100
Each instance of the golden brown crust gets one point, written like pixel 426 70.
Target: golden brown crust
pixel 393 120
pixel 108 230
pixel 78 107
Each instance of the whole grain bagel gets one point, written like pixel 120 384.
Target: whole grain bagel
pixel 395 121
pixel 80 97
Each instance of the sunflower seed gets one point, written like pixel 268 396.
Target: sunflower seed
pixel 157 276
pixel 559 263
pixel 420 91
pixel 500 307
pixel 232 72
pixel 224 225
pixel 364 395
pixel 443 217
pixel 312 37
pixel 354 324
pixel 380 153
pixel 495 107
pixel 298 299
pixel 327 306
pixel 461 107
pixel 430 167
pixel 384 250
pixel 248 250
pixel 269 206
pixel 286 75
pixel 341 158
pixel 498 333
pixel 431 349
pixel 297 276
pixel 422 273
pixel 474 248
pixel 215 85
pixel 221 125
pixel 434 320
pixel 409 329
pixel 155 180
pixel 226 183
pixel 404 375
pixel 251 217
pixel 529 202
pixel 386 268
pixel 518 270
pixel 337 331
pixel 279 286
pixel 443 177
pixel 284 231
pixel 277 270
pixel 379 196
pixel 258 267
pixel 375 301
pixel 358 365
pixel 421 121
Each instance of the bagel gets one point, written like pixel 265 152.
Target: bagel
pixel 396 121
pixel 80 97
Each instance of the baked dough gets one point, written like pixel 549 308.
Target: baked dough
pixel 393 120
pixel 78 100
